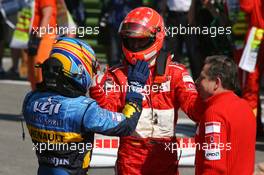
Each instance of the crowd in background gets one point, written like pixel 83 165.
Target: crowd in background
pixel 175 13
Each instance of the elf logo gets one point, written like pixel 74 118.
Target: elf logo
pixel 47 107
pixel 212 154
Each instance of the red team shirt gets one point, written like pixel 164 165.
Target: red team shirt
pixel 229 123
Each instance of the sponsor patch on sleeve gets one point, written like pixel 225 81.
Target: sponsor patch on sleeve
pixel 165 87
pixel 212 138
pixel 212 127
pixel 212 154
pixel 187 78
pixel 188 82
pixel 212 141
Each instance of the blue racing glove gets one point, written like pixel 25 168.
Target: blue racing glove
pixel 137 77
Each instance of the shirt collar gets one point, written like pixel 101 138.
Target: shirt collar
pixel 218 97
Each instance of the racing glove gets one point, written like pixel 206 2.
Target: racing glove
pixel 137 77
pixel 33 45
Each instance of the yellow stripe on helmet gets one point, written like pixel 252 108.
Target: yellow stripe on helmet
pixel 75 51
pixel 80 52
pixel 64 60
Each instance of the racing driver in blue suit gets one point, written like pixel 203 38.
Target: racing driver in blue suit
pixel 60 117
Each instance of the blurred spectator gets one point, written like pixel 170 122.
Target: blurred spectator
pixel 178 18
pixel 5 38
pixel 20 39
pixel 23 69
pixel 76 8
pixel 160 6
pixel 13 72
pixel 211 13
pixel 65 20
pixel 2 27
pixel 113 12
pixel 42 37
pixel 255 10
pixel 239 25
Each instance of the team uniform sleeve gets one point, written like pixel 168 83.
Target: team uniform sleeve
pixel 187 95
pixel 99 120
pixel 215 153
pixel 104 93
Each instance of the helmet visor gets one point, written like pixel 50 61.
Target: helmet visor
pixel 136 37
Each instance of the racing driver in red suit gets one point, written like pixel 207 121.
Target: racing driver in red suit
pixel 142 34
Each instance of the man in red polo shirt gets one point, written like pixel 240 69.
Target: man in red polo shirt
pixel 222 146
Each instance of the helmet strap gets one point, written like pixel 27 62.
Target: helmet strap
pixel 161 63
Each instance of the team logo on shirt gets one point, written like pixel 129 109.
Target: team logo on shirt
pixel 212 127
pixel 49 107
pixel 188 82
pixel 212 154
pixel 212 139
pixel 165 87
